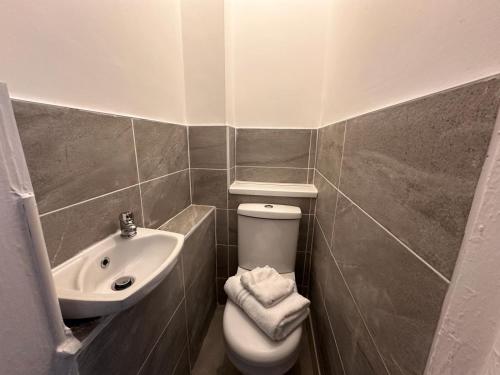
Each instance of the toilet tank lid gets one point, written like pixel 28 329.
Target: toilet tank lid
pixel 269 211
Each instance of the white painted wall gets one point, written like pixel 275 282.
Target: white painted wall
pixel 259 63
pixel 274 62
pixel 204 65
pixel 389 51
pixel 123 57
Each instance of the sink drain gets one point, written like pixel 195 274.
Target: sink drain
pixel 122 283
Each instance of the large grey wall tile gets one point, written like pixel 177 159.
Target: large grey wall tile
pixel 232 227
pixel 313 148
pixel 123 345
pixel 207 147
pixel 232 147
pixel 221 217
pixel 232 174
pixel 399 296
pixel 414 167
pixel 273 147
pixel 319 260
pixel 74 155
pixel 222 261
pixel 199 248
pixel 262 174
pixel 329 153
pixel 303 233
pixel 299 267
pixel 209 187
pixel 326 202
pixel 200 304
pixel 72 229
pixel 233 260
pixel 161 148
pixel 168 350
pixel 357 349
pixel 165 197
pixel 328 356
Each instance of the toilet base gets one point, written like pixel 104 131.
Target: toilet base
pixel 247 368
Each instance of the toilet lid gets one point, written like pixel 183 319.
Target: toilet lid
pixel 249 342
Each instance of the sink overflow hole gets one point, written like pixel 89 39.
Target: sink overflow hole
pixel 105 262
pixel 122 283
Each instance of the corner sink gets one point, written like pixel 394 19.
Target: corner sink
pixel 115 273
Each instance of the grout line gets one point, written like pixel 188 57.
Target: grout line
pixel 314 345
pixel 215 225
pixel 311 252
pixel 173 217
pixel 235 149
pixel 227 260
pixel 160 336
pixel 179 360
pixel 88 200
pixel 228 140
pixel 200 221
pixel 138 176
pixel 353 299
pixel 186 315
pixel 250 128
pixel 227 223
pixel 342 154
pixel 398 240
pixel 228 157
pixel 305 253
pixel 97 330
pixel 340 176
pixel 309 156
pixel 189 166
pixel 327 180
pixel 210 169
pixel 215 263
pixel 316 153
pixel 333 334
pixel 268 167
pixel 165 175
pixel 389 232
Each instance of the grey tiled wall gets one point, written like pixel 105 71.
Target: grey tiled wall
pixel 163 333
pixel 219 155
pixel 275 155
pixel 211 160
pixel 395 189
pixel 88 167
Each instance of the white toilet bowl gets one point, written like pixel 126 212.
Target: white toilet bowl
pixel 250 350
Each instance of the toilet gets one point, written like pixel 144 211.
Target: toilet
pixel 267 235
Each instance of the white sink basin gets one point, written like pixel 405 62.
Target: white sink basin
pixel 85 283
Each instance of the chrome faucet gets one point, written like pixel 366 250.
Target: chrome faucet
pixel 127 225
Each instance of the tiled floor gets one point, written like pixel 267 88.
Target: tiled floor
pixel 213 361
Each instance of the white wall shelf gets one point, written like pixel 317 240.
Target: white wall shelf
pixel 271 189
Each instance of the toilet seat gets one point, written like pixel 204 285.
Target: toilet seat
pixel 248 343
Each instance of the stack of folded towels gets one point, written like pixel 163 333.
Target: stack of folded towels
pixel 269 299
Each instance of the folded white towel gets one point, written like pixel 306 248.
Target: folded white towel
pixel 278 321
pixel 267 285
